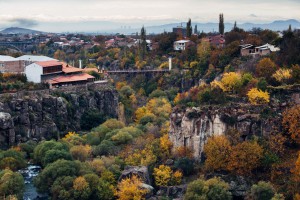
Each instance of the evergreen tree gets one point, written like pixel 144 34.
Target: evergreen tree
pixel 221 24
pixel 290 28
pixel 143 43
pixel 196 30
pixel 189 29
pixel 235 26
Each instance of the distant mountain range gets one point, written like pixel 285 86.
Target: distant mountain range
pixel 17 30
pixel 113 27
pixel 211 27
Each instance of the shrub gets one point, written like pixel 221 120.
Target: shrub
pixel 262 191
pixel 257 97
pixel 212 189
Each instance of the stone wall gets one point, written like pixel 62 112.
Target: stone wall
pixel 47 113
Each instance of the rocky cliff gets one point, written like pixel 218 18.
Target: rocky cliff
pixel 191 127
pixel 46 114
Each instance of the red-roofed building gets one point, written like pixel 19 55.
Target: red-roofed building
pixel 217 40
pixel 74 79
pixel 56 73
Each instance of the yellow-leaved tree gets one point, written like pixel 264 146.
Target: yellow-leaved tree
pixel 162 175
pixel 230 82
pixel 165 145
pixel 257 96
pixel 283 75
pixel 217 151
pixel 81 188
pixel 165 176
pixel 130 189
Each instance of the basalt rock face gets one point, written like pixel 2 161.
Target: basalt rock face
pixel 46 114
pixel 191 127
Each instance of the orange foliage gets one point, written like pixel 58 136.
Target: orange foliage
pixel 266 68
pixel 296 170
pixel 119 85
pixel 291 122
pixel 181 152
pixel 245 157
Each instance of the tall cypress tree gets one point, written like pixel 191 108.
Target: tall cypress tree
pixel 143 43
pixel 196 30
pixel 221 24
pixel 189 29
pixel 235 26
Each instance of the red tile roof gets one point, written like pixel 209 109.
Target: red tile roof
pixel 69 69
pixel 71 78
pixel 49 63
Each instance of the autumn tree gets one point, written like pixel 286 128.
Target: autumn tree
pixel 145 157
pixel 217 151
pixel 245 157
pixel 130 189
pixel 82 189
pixel 165 176
pixel 11 183
pixel 257 97
pixel 12 159
pixel 162 175
pixel 291 122
pixel 165 145
pixel 230 82
pixel 283 75
pixel 81 152
pixel 203 51
pixel 266 68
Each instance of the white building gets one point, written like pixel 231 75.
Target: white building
pixel 38 71
pixel 181 45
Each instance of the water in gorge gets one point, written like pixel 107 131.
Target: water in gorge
pixel 30 192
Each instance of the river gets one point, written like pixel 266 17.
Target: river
pixel 30 192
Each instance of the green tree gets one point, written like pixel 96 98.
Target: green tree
pixel 59 168
pixel 221 24
pixel 189 29
pixel 62 188
pixel 12 159
pixel 212 189
pixel 143 43
pixel 41 150
pixel 262 191
pixel 54 155
pixel 11 183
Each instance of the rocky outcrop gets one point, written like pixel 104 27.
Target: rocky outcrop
pixel 46 114
pixel 7 132
pixel 192 126
pixel 139 171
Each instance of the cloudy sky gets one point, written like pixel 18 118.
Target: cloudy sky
pixel 62 15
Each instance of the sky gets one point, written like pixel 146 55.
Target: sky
pixel 64 15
